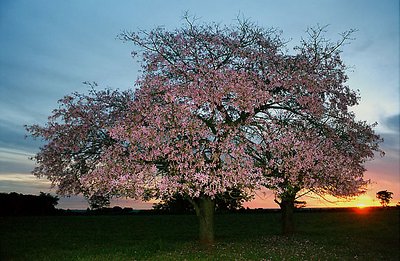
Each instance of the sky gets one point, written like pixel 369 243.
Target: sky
pixel 48 48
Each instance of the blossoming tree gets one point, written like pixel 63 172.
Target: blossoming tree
pixel 76 136
pixel 185 135
pixel 316 145
pixel 216 109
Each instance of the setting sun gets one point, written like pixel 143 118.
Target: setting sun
pixel 361 205
pixel 362 201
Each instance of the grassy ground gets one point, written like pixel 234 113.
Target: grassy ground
pixel 320 236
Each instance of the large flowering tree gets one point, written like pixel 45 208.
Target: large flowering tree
pixel 216 109
pixel 185 135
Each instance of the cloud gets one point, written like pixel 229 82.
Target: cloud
pixel 391 144
pixel 391 137
pixel 393 123
pixel 12 136
pixel 23 183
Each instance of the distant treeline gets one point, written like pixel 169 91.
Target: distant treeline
pixel 130 211
pixel 14 204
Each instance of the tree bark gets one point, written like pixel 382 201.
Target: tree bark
pixel 205 208
pixel 287 208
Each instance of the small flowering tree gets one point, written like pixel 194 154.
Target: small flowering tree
pixel 308 161
pixel 316 145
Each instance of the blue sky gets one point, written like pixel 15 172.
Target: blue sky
pixel 48 48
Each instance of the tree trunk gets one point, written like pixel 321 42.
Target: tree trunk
pixel 287 208
pixel 205 208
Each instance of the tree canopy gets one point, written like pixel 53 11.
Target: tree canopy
pixel 76 136
pixel 216 108
pixel 384 197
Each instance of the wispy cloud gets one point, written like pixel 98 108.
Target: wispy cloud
pixel 23 183
pixel 393 123
pixel 13 138
pixel 391 136
pixel 7 155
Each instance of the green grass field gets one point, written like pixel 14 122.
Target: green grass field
pixel 320 236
